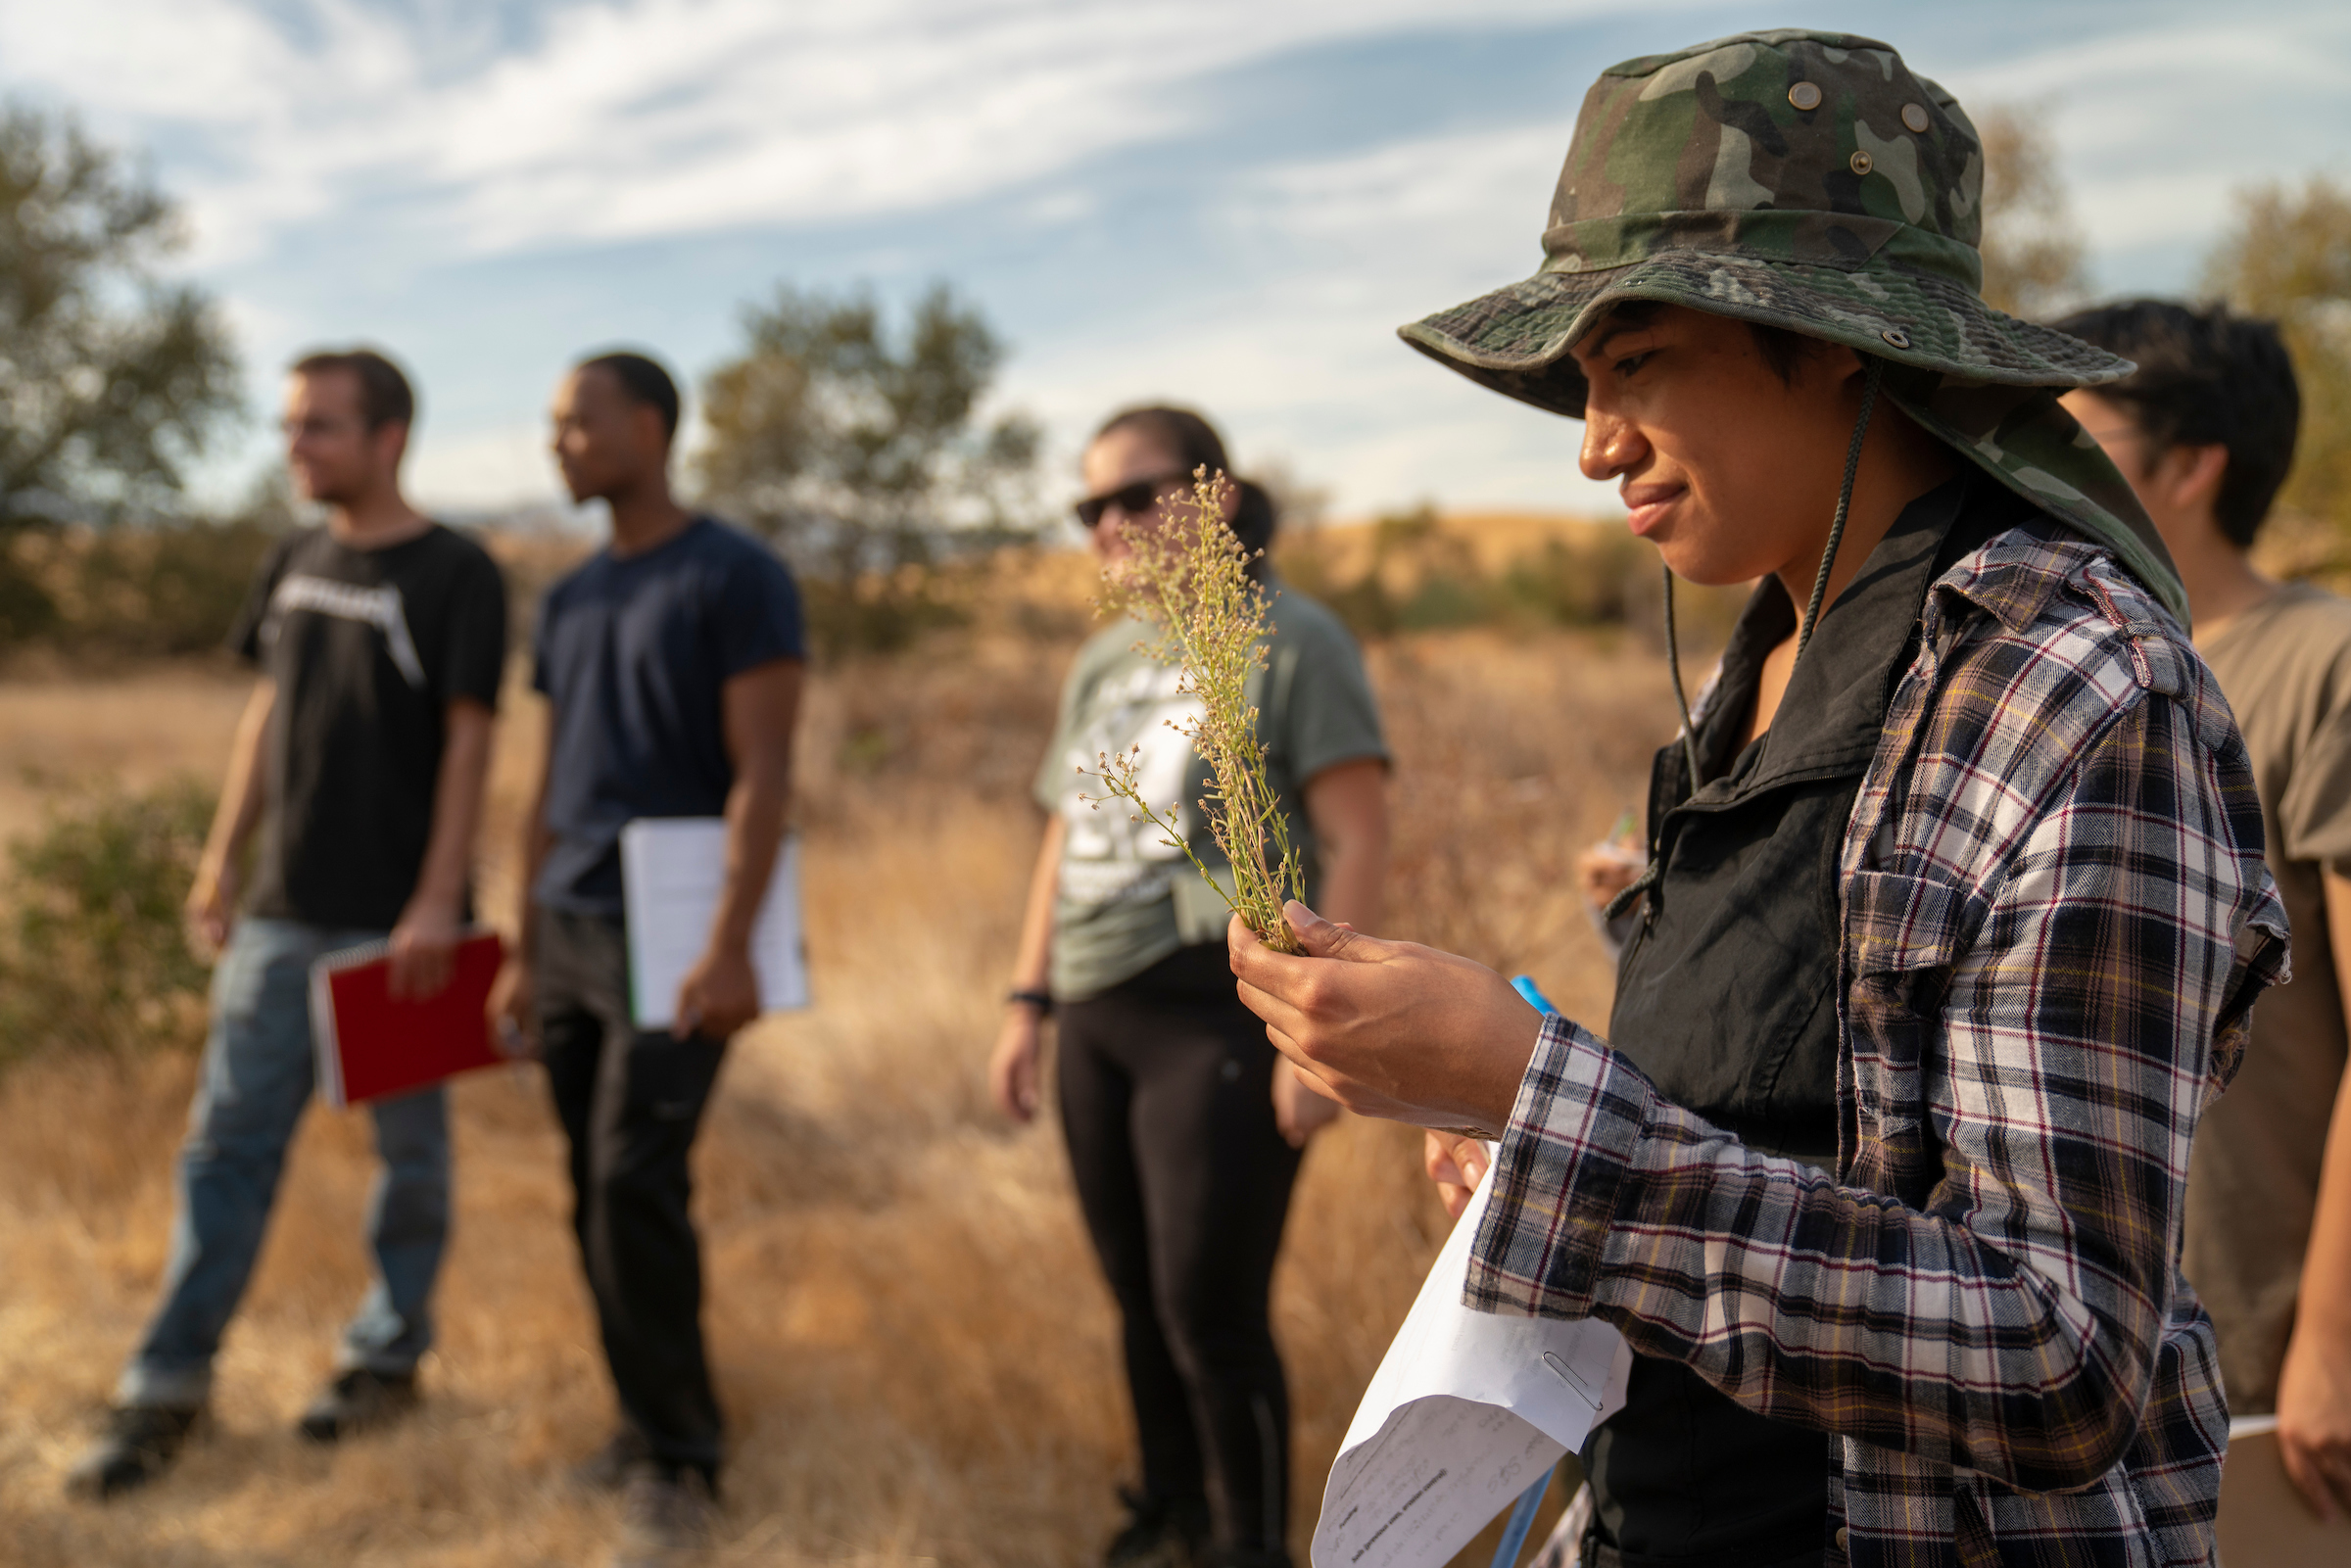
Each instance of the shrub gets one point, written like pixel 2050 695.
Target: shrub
pixel 881 612
pixel 168 589
pixel 1422 576
pixel 92 952
pixel 1594 580
pixel 171 589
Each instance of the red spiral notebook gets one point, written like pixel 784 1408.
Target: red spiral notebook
pixel 371 1044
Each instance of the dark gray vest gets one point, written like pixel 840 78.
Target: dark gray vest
pixel 1725 999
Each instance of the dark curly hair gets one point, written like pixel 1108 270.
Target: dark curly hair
pixel 643 382
pixel 2206 377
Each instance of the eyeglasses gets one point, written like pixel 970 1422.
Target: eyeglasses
pixel 313 425
pixel 1132 500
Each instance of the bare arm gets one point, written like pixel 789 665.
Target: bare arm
pixel 2313 1389
pixel 1347 805
pixel 537 840
pixel 429 927
pixel 212 902
pixel 758 707
pixel 1012 1069
pixel 1033 965
pixel 512 1001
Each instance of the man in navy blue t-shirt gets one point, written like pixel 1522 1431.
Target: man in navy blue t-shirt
pixel 671 662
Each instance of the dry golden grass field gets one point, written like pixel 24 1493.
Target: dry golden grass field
pixel 916 1354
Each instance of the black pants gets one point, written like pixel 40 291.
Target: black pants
pixel 630 1101
pixel 1165 1099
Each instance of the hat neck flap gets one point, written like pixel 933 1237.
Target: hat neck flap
pixel 2024 439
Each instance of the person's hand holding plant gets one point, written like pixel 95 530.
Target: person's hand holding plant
pixel 1390 1029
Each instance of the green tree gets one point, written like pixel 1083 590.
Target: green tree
pixel 863 452
pixel 2290 258
pixel 111 377
pixel 2032 248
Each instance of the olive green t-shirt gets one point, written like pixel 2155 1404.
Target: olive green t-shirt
pixel 2253 1177
pixel 1127 899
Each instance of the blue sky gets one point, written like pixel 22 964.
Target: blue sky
pixel 1232 202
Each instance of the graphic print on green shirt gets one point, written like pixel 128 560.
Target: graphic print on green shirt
pixel 1126 898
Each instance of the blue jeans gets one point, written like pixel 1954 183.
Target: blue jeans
pixel 259 1070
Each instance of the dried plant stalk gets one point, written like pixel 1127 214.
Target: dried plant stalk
pixel 1188 576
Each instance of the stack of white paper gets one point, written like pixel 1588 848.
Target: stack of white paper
pixel 672 869
pixel 1465 1412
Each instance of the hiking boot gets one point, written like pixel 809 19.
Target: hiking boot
pixel 139 1444
pixel 1159 1532
pixel 609 1467
pixel 665 1517
pixel 357 1400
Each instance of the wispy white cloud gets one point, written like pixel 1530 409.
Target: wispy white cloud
pixel 446 129
pixel 1352 247
pixel 2155 123
pixel 657 116
pixel 1348 246
pixel 1418 193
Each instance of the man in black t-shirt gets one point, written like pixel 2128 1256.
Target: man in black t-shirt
pixel 360 759
pixel 671 663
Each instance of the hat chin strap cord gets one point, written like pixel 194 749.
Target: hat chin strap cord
pixel 1876 369
pixel 1845 505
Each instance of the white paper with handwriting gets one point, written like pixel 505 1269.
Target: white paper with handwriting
pixel 1465 1412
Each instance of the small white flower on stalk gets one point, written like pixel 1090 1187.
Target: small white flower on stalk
pixel 1191 578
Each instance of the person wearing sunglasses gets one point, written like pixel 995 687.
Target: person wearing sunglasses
pixel 1184 1129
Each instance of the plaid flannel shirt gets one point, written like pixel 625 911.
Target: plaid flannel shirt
pixel 2055 920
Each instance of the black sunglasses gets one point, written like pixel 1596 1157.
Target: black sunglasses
pixel 1132 500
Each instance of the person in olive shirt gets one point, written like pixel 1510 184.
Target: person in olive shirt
pixel 2204 430
pixel 1183 1129
pixel 671 663
pixel 380 638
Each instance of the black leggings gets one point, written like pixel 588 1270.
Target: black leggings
pixel 1165 1099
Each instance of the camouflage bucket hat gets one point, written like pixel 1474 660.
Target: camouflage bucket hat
pixel 1809 181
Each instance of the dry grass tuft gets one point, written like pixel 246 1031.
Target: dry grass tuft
pixel 914 1348
pixel 1189 578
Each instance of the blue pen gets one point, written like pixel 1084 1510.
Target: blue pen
pixel 1522 1516
pixel 1522 1519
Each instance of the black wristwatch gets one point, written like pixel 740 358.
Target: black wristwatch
pixel 1043 1001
